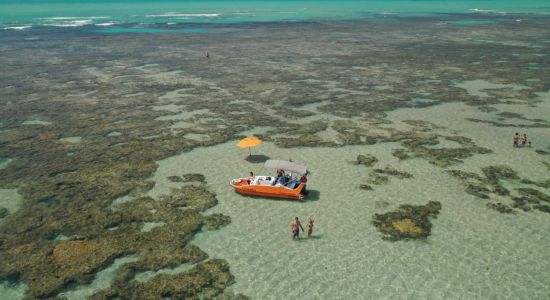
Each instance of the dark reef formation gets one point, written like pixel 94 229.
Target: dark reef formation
pixel 407 221
pixel 490 185
pixel 51 265
pixel 366 160
pixel 3 212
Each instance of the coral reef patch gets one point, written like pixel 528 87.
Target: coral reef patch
pixel 407 221
pixel 491 185
pixel 51 265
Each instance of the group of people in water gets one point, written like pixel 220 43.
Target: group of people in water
pixel 522 139
pixel 296 225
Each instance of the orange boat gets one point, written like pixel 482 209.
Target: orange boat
pixel 286 187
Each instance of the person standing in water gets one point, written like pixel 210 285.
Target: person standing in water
pixel 524 139
pixel 309 226
pixel 207 55
pixel 295 227
pixel 516 139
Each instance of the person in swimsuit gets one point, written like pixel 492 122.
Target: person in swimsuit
pixel 309 226
pixel 303 180
pixel 295 227
pixel 516 139
pixel 523 139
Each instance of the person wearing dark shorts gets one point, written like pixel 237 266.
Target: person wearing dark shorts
pixel 516 139
pixel 295 227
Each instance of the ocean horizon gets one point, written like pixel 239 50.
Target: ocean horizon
pixel 20 15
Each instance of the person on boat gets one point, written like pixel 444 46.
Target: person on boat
pixel 295 227
pixel 207 55
pixel 516 139
pixel 303 180
pixel 524 139
pixel 280 175
pixel 309 226
pixel 251 178
pixel 285 179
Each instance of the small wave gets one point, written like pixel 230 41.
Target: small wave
pixel 105 24
pixel 487 11
pixel 73 18
pixel 76 23
pixel 171 15
pixel 17 27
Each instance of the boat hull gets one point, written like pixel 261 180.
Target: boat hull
pixel 242 186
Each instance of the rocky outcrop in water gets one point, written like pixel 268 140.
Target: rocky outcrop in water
pixel 366 160
pixel 407 221
pixel 50 265
pixel 490 185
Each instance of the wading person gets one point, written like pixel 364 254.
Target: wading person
pixel 309 226
pixel 524 139
pixel 295 227
pixel 516 139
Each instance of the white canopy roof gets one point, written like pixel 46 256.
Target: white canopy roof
pixel 285 165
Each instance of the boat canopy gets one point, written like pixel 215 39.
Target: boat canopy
pixel 285 165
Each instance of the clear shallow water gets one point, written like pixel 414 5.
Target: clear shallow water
pixel 473 252
pixel 19 15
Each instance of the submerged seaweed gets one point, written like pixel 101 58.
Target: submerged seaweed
pixel 366 160
pixel 491 184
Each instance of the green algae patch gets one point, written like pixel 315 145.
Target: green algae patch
pixel 393 172
pixel 490 185
pixel 205 280
pixel 501 208
pixel 400 154
pixel 407 222
pixel 3 212
pixel 366 160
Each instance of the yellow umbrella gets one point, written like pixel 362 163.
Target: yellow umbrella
pixel 249 142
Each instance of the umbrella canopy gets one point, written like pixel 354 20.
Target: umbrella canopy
pixel 249 142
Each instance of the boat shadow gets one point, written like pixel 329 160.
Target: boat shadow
pixel 312 195
pixel 257 158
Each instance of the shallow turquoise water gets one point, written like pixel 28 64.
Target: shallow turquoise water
pixel 67 13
